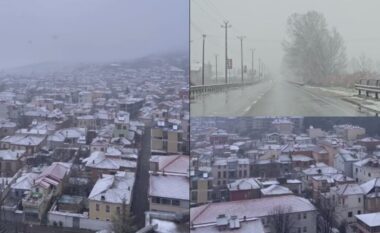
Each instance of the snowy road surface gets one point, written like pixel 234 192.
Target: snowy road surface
pixel 277 98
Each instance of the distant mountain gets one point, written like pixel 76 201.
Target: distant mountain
pixel 43 68
pixel 178 59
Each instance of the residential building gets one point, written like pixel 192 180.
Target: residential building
pixel 243 189
pixel 366 169
pixel 110 195
pixel 368 223
pixel 166 139
pixel 371 190
pixel 302 213
pixel 201 188
pixel 10 162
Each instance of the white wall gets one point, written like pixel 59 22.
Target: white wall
pixel 362 173
pixel 84 221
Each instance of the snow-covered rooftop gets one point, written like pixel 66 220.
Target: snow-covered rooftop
pixel 250 208
pixel 179 187
pixel 114 188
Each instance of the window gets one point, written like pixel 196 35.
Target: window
pixel 349 214
pixel 97 207
pixel 107 208
pixel 299 217
pixel 165 201
pixel 359 212
pixel 156 200
pixel 304 215
pixel 369 174
pixel 194 184
pixel 304 229
pixel 359 200
pixel 175 202
pixel 118 209
pixel 194 195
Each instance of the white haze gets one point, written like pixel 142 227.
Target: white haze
pixel 37 31
pixel 263 22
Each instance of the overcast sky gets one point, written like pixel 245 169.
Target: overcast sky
pixel 34 31
pixel 263 22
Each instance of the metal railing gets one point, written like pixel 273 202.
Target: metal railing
pixel 204 89
pixel 368 86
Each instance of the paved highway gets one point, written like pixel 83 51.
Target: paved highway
pixel 274 98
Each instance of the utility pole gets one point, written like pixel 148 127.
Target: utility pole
pixel 253 60
pixel 241 59
pixel 226 26
pixel 259 68
pixel 263 70
pixel 203 60
pixel 216 67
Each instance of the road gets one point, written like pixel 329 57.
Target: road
pixel 274 98
pixel 140 202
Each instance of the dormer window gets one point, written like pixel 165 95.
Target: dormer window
pixel 102 198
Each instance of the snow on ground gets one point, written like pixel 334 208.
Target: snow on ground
pixel 351 95
pixel 340 91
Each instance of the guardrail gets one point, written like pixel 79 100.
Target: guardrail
pixel 201 90
pixel 296 83
pixel 368 86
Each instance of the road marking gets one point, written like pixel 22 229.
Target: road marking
pixel 247 109
pixel 325 100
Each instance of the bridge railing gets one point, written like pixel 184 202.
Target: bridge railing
pixel 368 86
pixel 204 89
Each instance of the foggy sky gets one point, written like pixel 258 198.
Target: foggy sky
pixel 34 31
pixel 264 24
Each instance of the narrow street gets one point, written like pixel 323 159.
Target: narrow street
pixel 140 202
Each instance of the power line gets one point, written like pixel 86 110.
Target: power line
pixel 206 13
pixel 215 8
pixel 196 27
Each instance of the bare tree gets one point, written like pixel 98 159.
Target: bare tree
pixel 124 222
pixel 362 64
pixel 312 51
pixel 280 219
pixel 326 207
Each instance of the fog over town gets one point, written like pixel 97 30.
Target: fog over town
pixel 94 116
pixel 89 31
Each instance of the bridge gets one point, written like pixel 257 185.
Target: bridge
pixel 368 86
pixel 207 89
